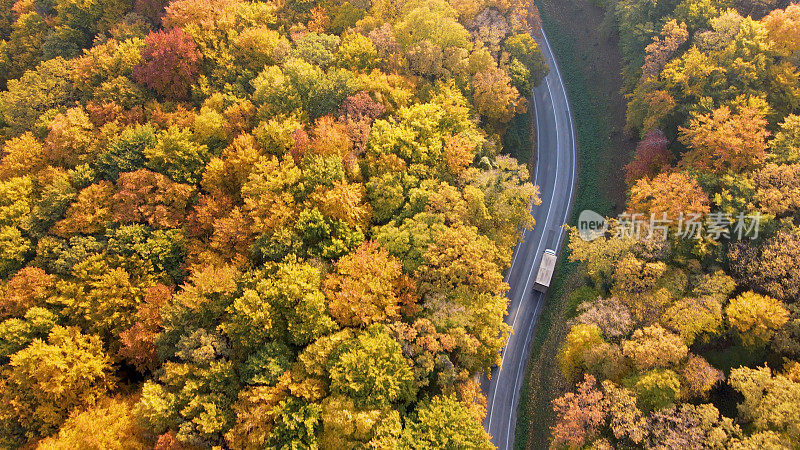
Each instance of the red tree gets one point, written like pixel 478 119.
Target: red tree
pixel 27 288
pixel 139 341
pixel 170 63
pixel 651 157
pixel 360 106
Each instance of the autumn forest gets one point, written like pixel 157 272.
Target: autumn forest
pixel 286 224
pixel 256 224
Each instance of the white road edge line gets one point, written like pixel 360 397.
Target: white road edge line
pixel 519 367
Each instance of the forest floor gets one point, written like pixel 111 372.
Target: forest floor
pixel 590 64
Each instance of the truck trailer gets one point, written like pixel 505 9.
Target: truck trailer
pixel 545 273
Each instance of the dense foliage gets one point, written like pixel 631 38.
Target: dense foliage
pixel 277 224
pixel 694 343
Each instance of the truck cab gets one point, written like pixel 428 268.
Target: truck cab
pixel 545 273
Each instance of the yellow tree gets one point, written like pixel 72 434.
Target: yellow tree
pixel 670 194
pixel 268 193
pixel 70 140
pixel 108 424
pixel 365 287
pixel 778 188
pixel 663 48
pixel 654 347
pixel 90 212
pixel 579 342
pixel 46 380
pixel 624 418
pixel 345 202
pixel 726 141
pixel 771 401
pixel 23 155
pixel 461 261
pixel 756 317
pixel 495 97
pixel 694 317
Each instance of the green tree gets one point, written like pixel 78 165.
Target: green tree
pixel 14 249
pixel 786 143
pixel 300 85
pixel 101 297
pixel 499 201
pixel 297 425
pixel 371 370
pixel 357 52
pixel 444 422
pixel 92 16
pixel 126 152
pixel 34 93
pixel 317 49
pixel 573 353
pixel 525 50
pixel 23 50
pixel 655 389
pixel 177 156
pixel 418 135
pixel 19 333
pixel 287 304
pixel 433 21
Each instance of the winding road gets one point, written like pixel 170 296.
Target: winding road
pixel 555 173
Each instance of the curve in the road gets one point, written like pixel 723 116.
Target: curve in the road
pixel 555 174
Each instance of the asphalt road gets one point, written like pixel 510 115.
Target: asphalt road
pixel 555 173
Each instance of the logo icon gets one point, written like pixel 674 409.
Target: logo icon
pixel 591 225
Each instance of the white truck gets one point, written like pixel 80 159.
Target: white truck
pixel 546 268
